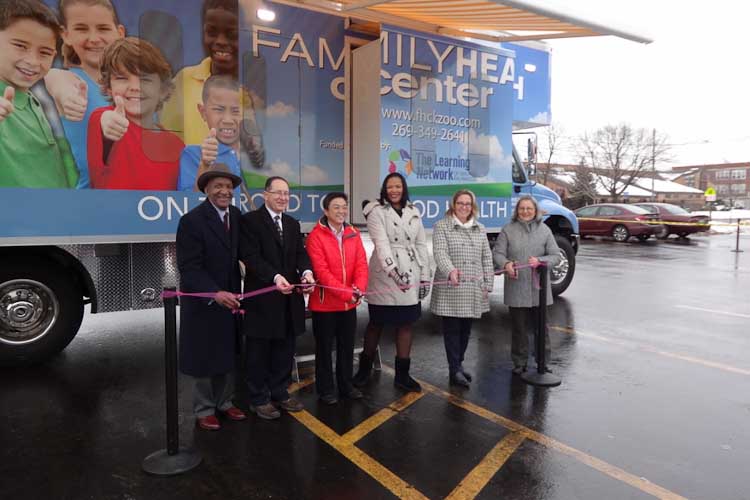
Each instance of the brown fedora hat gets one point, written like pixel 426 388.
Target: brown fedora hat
pixel 217 170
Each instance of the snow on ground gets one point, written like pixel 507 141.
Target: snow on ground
pixel 728 217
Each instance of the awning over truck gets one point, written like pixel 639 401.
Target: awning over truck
pixel 496 20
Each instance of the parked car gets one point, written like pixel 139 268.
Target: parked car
pixel 622 221
pixel 672 213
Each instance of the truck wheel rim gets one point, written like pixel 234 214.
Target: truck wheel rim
pixel 560 271
pixel 28 311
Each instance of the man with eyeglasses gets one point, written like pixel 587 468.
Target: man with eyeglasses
pixel 275 255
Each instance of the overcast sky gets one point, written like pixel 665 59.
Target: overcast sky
pixel 692 82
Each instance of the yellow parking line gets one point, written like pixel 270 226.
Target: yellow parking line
pixel 654 350
pixel 296 386
pixel 375 469
pixel 381 417
pixel 480 475
pixel 595 463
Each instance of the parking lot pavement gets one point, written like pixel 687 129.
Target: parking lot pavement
pixel 651 341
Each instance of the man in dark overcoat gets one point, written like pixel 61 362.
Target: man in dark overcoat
pixel 275 255
pixel 208 239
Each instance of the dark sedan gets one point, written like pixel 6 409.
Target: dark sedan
pixel 683 222
pixel 618 220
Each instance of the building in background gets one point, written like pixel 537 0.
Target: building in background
pixel 562 179
pixel 731 181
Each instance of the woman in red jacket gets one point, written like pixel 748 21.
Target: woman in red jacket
pixel 339 261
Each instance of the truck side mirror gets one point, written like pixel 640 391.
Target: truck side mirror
pixel 531 155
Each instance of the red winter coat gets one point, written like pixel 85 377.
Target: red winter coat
pixel 336 267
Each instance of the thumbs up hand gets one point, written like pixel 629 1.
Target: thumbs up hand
pixel 209 148
pixel 73 99
pixel 6 102
pixel 114 123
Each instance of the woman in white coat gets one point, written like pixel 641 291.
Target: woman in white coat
pixel 399 276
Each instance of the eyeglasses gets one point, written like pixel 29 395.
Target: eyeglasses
pixel 280 194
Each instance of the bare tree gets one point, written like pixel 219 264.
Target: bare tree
pixel 551 141
pixel 621 154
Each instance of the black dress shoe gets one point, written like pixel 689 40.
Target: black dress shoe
pixel 353 393
pixel 328 399
pixel 291 404
pixel 459 379
pixel 266 411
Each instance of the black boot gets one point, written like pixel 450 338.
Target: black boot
pixel 403 380
pixel 363 373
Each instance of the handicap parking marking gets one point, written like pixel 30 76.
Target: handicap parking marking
pixel 381 417
pixel 653 350
pixel 613 471
pixel 473 483
pixel 477 479
pixel 369 465
pixel 714 311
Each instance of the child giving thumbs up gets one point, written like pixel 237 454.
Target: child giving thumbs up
pixel 209 149
pixel 114 122
pixel 6 102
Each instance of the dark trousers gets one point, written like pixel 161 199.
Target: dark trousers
pixel 523 321
pixel 269 370
pixel 456 332
pixel 327 327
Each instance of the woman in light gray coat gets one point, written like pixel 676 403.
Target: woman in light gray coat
pixel 399 276
pixel 463 257
pixel 525 240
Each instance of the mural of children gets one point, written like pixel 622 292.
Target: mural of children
pixel 222 113
pixel 126 148
pixel 222 110
pixel 220 20
pixel 29 153
pixel 89 27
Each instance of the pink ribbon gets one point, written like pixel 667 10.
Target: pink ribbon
pixel 241 296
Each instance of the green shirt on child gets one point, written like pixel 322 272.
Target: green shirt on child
pixel 30 156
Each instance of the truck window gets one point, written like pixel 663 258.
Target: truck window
pixel 519 175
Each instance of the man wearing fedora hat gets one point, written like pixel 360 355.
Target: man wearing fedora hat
pixel 208 241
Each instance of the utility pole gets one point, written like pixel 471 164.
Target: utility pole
pixel 653 163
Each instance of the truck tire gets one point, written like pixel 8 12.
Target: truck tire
pixel 562 274
pixel 41 309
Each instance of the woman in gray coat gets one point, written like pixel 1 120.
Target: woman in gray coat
pixel 399 276
pixel 463 257
pixel 525 240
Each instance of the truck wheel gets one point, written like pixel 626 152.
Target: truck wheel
pixel 562 274
pixel 41 309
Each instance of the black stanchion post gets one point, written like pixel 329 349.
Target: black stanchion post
pixel 737 244
pixel 541 377
pixel 174 459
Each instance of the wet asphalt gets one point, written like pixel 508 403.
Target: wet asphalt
pixel 652 342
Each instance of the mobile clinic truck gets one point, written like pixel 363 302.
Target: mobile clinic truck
pixel 336 96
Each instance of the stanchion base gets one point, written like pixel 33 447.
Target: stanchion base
pixel 161 463
pixel 541 379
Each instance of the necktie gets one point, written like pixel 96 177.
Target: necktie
pixel 226 221
pixel 277 218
